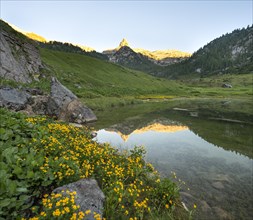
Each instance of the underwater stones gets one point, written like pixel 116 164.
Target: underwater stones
pixel 204 206
pixel 222 214
pixel 188 200
pixel 218 185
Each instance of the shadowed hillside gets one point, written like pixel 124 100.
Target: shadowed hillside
pixel 230 53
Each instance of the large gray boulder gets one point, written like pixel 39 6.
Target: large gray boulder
pixel 14 99
pixel 66 106
pixel 88 195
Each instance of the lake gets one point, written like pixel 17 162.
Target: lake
pixel 203 145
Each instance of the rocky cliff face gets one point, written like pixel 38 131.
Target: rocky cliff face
pixel 21 62
pixel 125 56
pixel 159 57
pixel 20 59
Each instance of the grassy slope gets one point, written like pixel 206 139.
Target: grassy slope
pixel 99 78
pixel 98 81
pixel 102 84
pixel 211 86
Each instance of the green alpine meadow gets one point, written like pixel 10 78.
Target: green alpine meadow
pixel 155 128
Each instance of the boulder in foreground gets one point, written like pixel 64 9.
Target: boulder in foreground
pixel 88 196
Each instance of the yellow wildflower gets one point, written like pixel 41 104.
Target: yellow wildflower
pixel 57 212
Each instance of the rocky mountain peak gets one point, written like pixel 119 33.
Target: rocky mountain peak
pixel 123 43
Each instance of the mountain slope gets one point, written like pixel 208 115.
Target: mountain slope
pixel 92 78
pixel 67 47
pixel 86 76
pixel 39 38
pixel 164 57
pixel 125 56
pixel 230 53
pixel 160 57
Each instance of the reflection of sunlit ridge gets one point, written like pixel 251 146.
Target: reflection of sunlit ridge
pixel 153 127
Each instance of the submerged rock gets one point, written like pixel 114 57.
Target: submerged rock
pixel 218 185
pixel 88 196
pixel 204 207
pixel 222 214
pixel 188 200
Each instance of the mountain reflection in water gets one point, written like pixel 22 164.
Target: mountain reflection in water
pixel 157 127
pixel 213 157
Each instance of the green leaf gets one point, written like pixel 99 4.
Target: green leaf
pixel 22 189
pixel 17 170
pixel 9 152
pixel 30 174
pixel 3 172
pixel 12 185
pixel 33 163
pixel 5 202
pixel 2 131
pixel 46 183
pixel 6 135
pixel 24 198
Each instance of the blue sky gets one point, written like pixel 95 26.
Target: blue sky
pixel 153 25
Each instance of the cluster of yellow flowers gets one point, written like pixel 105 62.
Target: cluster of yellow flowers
pixel 128 182
pixel 36 120
pixel 62 206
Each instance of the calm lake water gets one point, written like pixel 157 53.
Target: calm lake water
pixel 207 143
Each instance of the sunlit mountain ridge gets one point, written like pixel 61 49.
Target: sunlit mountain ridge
pixel 30 35
pixel 39 38
pixel 229 53
pixel 155 55
pixel 162 54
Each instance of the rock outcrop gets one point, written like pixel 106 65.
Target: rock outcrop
pixel 66 106
pixel 123 43
pixel 61 103
pixel 20 58
pixel 14 99
pixel 88 196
